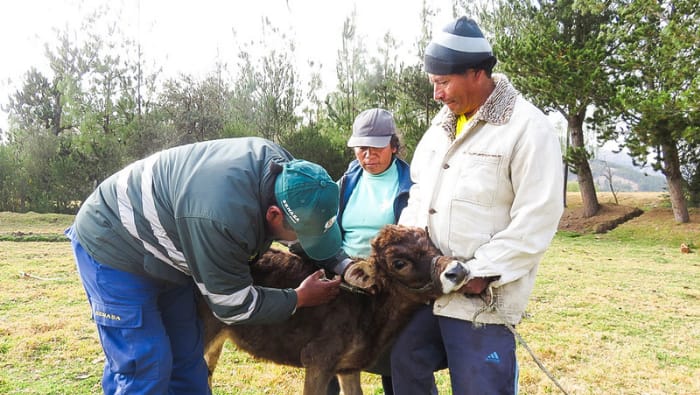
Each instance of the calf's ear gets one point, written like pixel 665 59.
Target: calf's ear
pixel 361 274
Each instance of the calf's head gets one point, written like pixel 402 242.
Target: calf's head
pixel 406 256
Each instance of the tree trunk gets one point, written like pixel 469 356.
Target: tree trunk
pixel 566 169
pixel 582 168
pixel 674 180
pixel 566 181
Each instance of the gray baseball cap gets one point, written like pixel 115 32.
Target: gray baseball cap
pixel 372 128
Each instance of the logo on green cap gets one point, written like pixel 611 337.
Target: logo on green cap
pixel 309 198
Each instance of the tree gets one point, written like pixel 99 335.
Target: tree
pixel 415 103
pixel 554 51
pixel 690 170
pixel 344 104
pixel 312 144
pixel 312 107
pixel 197 108
pixel 69 127
pixel 37 104
pixel 656 65
pixel 9 179
pixel 267 93
pixel 149 133
pixel 609 177
pixel 379 87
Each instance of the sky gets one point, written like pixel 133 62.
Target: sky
pixel 190 36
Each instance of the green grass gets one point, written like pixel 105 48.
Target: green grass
pixel 606 314
pixel 572 186
pixel 617 313
pixel 33 222
pixel 33 226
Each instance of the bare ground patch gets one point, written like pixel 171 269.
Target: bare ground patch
pixel 611 213
pixel 608 217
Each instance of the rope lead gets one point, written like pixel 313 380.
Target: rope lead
pixel 490 305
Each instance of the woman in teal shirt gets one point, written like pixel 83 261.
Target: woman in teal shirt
pixel 373 192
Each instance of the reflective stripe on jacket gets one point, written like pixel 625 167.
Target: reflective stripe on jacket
pixel 196 210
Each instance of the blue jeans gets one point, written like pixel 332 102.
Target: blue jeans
pixel 149 330
pixel 481 358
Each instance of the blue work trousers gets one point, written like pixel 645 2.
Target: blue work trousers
pixel 481 358
pixel 149 330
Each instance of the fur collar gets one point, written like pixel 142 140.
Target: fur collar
pixel 497 109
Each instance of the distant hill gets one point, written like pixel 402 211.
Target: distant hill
pixel 626 177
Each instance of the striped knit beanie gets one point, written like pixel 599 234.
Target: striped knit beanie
pixel 457 47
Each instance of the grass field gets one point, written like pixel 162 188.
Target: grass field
pixel 614 313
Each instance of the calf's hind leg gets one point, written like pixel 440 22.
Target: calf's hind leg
pixel 212 352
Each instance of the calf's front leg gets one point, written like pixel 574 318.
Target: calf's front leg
pixel 316 381
pixel 350 383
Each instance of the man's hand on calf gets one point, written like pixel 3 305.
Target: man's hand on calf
pixel 316 289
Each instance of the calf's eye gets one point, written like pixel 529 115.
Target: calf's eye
pixel 398 264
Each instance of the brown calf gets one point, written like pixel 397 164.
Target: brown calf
pixel 348 334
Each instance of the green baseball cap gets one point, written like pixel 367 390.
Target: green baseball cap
pixel 309 198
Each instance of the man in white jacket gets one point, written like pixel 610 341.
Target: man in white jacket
pixel 488 187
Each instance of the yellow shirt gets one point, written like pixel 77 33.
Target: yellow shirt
pixel 461 122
